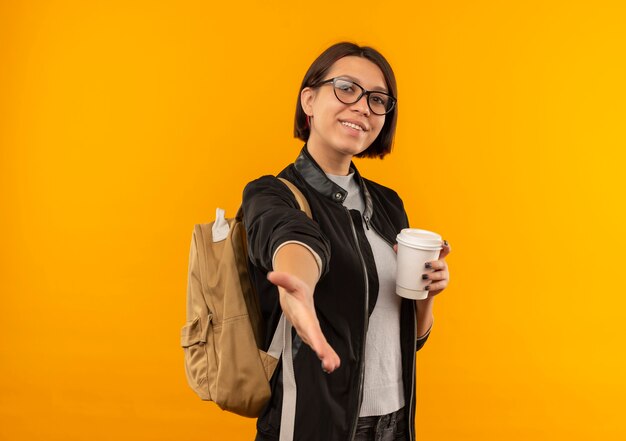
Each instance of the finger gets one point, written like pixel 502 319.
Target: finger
pixel 436 265
pixel 308 328
pixel 395 248
pixel 436 275
pixel 284 280
pixel 318 343
pixel 312 335
pixel 437 286
pixel 445 250
pixel 330 359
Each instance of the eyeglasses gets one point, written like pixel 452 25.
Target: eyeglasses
pixel 349 92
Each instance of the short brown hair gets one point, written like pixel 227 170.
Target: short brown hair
pixel 383 143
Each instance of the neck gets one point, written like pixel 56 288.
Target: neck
pixel 331 162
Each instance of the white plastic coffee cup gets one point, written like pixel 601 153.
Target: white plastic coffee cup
pixel 415 248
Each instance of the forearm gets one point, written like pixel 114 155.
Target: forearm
pixel 298 261
pixel 424 315
pixel 296 273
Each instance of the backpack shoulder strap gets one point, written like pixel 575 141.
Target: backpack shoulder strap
pixel 302 202
pixel 282 344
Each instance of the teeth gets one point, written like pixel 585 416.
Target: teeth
pixel 348 124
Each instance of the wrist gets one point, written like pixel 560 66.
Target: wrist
pixel 424 305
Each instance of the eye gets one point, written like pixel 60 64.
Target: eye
pixel 344 85
pixel 379 99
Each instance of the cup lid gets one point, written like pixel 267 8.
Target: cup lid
pixel 415 237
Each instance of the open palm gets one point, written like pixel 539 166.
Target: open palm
pixel 296 301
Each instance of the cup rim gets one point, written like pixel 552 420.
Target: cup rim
pixel 434 242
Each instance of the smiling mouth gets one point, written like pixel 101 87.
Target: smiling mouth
pixel 353 126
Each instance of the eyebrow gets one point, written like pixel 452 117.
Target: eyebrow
pixel 356 80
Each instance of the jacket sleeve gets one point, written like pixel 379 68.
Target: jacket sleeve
pixel 272 216
pixel 405 215
pixel 419 343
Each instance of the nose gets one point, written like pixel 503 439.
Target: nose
pixel 362 106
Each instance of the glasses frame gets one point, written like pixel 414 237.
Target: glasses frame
pixel 364 91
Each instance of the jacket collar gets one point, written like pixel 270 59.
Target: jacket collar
pixel 316 178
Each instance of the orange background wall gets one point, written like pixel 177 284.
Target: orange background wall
pixel 122 124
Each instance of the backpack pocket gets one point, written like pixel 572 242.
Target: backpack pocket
pixel 269 364
pixel 199 356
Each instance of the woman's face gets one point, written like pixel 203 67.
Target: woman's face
pixel 332 122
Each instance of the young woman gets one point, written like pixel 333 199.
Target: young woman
pixel 333 276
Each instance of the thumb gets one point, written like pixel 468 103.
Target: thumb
pixel 445 250
pixel 284 280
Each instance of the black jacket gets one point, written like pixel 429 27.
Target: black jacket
pixel 327 404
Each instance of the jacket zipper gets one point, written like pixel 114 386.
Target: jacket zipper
pixel 366 321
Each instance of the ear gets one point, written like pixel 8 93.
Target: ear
pixel 307 97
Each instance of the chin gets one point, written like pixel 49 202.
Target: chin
pixel 351 148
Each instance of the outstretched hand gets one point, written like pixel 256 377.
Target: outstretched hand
pixel 296 301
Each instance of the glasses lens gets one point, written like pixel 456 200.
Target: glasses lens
pixel 380 103
pixel 346 91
